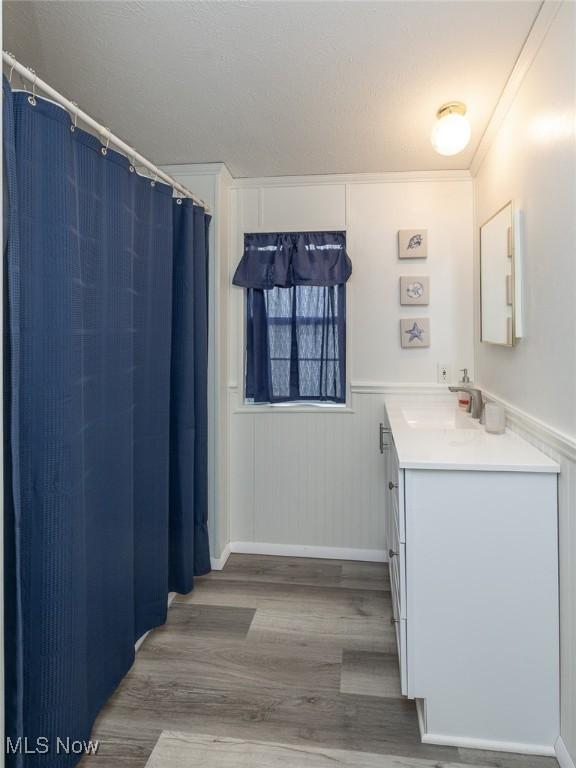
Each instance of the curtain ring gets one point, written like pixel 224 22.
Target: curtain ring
pixel 104 150
pixel 132 161
pixel 32 97
pixel 12 67
pixel 154 180
pixel 75 125
pixel 178 201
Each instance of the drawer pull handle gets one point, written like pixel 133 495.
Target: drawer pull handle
pixel 393 621
pixel 392 485
pixel 391 553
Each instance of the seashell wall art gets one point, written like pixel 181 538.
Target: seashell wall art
pixel 414 290
pixel 412 243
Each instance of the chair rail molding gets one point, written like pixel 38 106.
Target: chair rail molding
pixel 392 388
pixel 529 426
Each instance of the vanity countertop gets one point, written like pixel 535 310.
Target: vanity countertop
pixel 433 433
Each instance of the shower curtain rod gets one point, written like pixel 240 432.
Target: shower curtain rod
pixel 105 135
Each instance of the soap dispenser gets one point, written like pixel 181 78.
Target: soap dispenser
pixel 464 397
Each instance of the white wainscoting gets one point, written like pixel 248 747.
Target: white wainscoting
pixel 311 478
pixel 311 483
pixel 315 477
pixel 562 448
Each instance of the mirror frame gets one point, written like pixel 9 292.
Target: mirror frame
pixel 513 339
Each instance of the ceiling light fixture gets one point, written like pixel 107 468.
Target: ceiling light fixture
pixel 451 132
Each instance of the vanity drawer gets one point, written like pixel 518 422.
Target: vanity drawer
pixel 399 627
pixel 396 515
pixel 393 467
pixel 396 495
pixel 397 565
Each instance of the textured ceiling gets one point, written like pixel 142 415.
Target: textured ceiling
pixel 276 88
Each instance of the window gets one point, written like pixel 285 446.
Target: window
pixel 295 344
pixel 295 316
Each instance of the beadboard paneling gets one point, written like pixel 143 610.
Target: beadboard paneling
pixel 562 448
pixel 310 478
pixel 567 494
pixel 567 553
pixel 242 469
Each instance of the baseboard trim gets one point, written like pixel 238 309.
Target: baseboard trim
pixel 218 563
pixel 562 755
pixel 487 744
pixel 421 712
pixel 304 550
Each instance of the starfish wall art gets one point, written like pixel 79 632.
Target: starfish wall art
pixel 415 332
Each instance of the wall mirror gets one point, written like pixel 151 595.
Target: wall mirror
pixel 500 278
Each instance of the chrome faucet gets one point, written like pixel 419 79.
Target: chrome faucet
pixel 476 404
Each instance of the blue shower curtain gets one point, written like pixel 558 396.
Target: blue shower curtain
pixel 189 417
pixel 94 354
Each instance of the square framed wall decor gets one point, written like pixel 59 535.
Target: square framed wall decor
pixel 415 332
pixel 412 243
pixel 414 290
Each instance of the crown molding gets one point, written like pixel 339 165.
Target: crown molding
pixel 196 169
pixel 214 169
pixel 393 177
pixel 536 35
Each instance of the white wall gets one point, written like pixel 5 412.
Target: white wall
pixel 316 478
pixel 211 182
pixel 532 161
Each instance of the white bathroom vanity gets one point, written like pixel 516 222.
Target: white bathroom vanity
pixel 473 548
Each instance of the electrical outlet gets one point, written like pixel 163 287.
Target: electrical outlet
pixel 443 373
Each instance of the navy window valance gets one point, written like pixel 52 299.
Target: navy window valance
pixel 295 316
pixel 287 259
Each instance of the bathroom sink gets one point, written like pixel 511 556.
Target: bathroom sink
pixel 432 432
pixel 437 416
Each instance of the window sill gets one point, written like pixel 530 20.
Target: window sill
pixel 294 408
